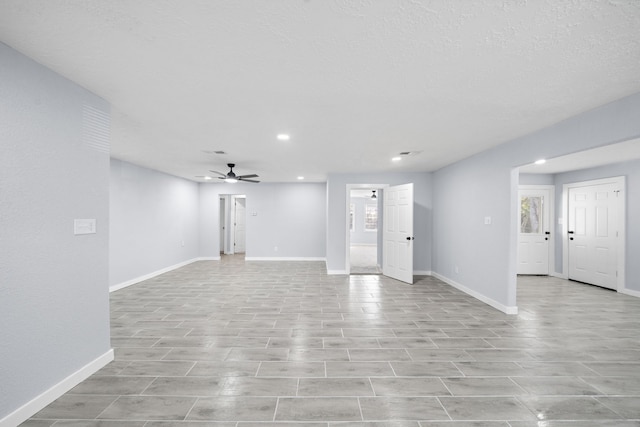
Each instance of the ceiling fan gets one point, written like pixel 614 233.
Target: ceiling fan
pixel 231 177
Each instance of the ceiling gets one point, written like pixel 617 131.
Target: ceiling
pixel 353 82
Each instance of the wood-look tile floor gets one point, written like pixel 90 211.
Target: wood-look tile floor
pixel 244 344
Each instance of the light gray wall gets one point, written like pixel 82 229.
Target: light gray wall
pixel 536 179
pixel 289 216
pixel 359 236
pixel 486 185
pixel 54 302
pixel 154 221
pixel 630 170
pixel 337 217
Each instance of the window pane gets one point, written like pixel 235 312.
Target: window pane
pixel 371 218
pixel 531 214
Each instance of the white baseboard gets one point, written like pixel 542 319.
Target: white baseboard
pixel 284 258
pixel 30 408
pixel 630 292
pixel 495 304
pixel 332 272
pixel 208 258
pixel 139 279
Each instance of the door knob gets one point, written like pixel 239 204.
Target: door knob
pixel 547 232
pixel 410 238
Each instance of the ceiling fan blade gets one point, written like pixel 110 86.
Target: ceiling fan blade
pixel 219 173
pixel 247 176
pixel 247 180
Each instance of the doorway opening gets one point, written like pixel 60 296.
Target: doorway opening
pixel 365 249
pixel 233 239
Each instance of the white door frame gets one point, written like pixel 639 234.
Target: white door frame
pixel 349 187
pixel 552 221
pixel 222 207
pixel 622 231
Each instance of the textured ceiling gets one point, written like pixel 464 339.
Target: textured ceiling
pixel 353 82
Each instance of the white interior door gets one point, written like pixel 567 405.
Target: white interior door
pixel 593 230
pixel 534 233
pixel 240 225
pixel 398 233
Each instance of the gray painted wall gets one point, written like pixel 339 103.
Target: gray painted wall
pixel 337 217
pixel 289 216
pixel 154 221
pixel 486 185
pixel 536 179
pixel 54 303
pixel 630 170
pixel 359 235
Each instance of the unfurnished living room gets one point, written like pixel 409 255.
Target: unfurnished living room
pixel 410 213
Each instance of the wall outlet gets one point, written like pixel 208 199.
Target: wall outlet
pixel 487 220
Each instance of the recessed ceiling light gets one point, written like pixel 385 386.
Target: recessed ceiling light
pixel 301 177
pixel 207 177
pixel 540 162
pixel 396 159
pixel 283 137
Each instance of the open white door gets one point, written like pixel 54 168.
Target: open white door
pixel 593 231
pixel 397 236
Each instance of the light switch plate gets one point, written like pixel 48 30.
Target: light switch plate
pixel 84 226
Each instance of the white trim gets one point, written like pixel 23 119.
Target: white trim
pixel 622 220
pixel 284 258
pixel 630 292
pixel 144 277
pixel 27 410
pixel 337 272
pixel 207 258
pixel 507 309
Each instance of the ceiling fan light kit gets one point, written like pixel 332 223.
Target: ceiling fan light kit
pixel 232 178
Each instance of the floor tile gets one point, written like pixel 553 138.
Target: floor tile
pixel 402 408
pixel 318 409
pixel 409 387
pixel 486 408
pixel 425 369
pixel 149 408
pixel 335 387
pixel 359 369
pixel 568 408
pixel 233 409
pixel 76 406
pixel 292 369
pixel 555 386
pixel 488 386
